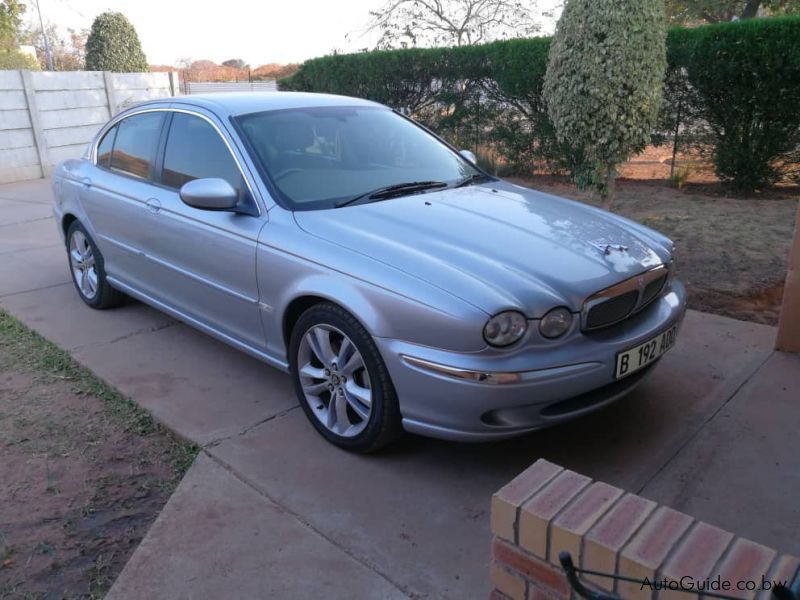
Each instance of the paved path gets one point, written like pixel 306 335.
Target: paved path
pixel 270 509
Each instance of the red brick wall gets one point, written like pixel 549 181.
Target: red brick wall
pixel 547 509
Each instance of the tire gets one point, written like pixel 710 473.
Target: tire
pixel 324 386
pixel 87 269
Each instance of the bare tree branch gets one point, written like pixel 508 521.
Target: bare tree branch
pixel 404 23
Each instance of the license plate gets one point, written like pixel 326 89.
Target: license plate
pixel 638 357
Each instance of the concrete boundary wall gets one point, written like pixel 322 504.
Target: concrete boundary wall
pixel 46 117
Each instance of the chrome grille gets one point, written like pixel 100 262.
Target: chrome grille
pixel 624 299
pixel 653 289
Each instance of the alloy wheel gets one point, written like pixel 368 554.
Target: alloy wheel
pixel 82 262
pixel 334 380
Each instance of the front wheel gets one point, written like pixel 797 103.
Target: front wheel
pixel 341 380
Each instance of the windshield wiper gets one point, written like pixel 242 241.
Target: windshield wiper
pixel 472 179
pixel 389 191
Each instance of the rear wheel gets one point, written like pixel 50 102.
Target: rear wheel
pixel 341 380
pixel 88 269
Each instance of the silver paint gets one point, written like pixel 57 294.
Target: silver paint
pixel 422 274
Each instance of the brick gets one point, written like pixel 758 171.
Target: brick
pixel 784 570
pixel 508 583
pixel 644 554
pixel 538 593
pixel 506 502
pixel 602 543
pixel 696 555
pixel 536 570
pixel 536 514
pixel 568 528
pixel 745 561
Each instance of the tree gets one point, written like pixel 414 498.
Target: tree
pixel 235 63
pixel 68 54
pixel 274 71
pixel 603 83
pixel 690 12
pixel 404 23
pixel 11 12
pixel 114 46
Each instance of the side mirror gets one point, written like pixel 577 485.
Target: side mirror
pixel 211 193
pixel 469 155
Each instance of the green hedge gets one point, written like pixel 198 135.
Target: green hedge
pixel 744 80
pixel 733 88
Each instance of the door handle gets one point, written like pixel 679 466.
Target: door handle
pixel 86 182
pixel 153 205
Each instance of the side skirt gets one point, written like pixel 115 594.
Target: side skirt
pixel 207 329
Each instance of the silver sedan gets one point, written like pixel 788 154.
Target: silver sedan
pixel 401 286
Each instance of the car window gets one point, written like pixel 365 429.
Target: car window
pixel 105 146
pixel 318 156
pixel 195 151
pixel 135 144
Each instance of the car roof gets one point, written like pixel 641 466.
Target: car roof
pixel 238 103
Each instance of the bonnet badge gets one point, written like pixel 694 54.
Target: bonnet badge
pixel 607 249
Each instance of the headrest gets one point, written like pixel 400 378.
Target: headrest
pixel 293 134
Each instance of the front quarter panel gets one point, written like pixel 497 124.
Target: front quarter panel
pixel 292 264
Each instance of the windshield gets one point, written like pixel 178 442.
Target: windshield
pixel 320 157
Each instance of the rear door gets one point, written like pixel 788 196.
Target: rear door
pixel 204 262
pixel 115 191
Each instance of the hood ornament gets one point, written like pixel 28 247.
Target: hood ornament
pixel 607 249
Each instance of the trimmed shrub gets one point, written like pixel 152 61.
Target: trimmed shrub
pixel 113 45
pixel 472 95
pixel 745 79
pixel 523 131
pixel 604 81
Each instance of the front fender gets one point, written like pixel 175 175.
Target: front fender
pixel 294 265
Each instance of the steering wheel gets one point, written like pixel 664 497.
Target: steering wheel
pixel 286 173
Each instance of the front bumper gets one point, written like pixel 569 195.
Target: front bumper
pixel 495 394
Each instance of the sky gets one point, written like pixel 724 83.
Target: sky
pixel 269 31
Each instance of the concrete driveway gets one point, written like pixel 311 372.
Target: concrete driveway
pixel 270 509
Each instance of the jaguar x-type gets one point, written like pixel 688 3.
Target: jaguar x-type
pixel 401 286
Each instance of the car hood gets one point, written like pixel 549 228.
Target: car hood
pixel 496 246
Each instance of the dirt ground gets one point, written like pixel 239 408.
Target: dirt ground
pixel 84 472
pixel 731 251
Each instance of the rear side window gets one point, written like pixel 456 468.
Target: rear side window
pixel 134 150
pixel 105 147
pixel 195 151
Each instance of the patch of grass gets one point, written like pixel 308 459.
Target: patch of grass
pixel 45 548
pixel 101 575
pixel 12 591
pixel 27 351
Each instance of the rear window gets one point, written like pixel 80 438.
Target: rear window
pixel 105 147
pixel 134 149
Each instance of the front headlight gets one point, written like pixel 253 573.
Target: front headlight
pixel 555 323
pixel 505 328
